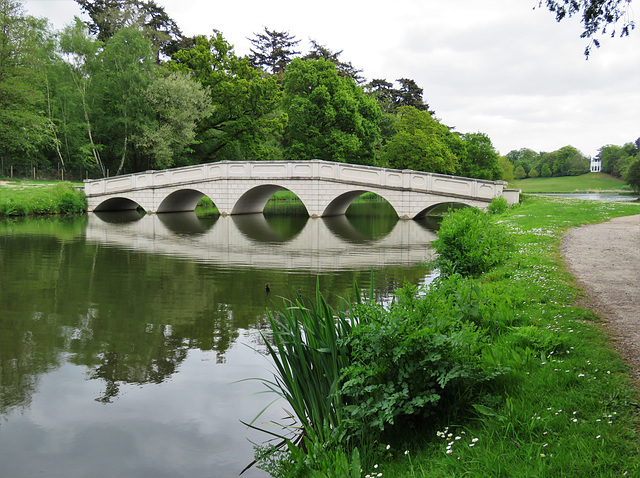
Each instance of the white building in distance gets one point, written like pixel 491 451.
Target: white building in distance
pixel 596 165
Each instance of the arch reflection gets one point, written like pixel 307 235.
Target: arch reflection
pixel 313 245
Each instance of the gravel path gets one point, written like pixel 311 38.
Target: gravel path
pixel 605 259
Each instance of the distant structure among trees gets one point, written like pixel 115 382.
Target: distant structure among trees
pixel 596 165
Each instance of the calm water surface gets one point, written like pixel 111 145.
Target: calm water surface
pixel 122 337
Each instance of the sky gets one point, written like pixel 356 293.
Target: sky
pixel 500 67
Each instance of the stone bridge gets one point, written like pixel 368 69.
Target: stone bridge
pixel 325 188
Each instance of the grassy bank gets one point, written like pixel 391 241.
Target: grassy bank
pixel 571 184
pixel 569 408
pixel 22 198
pixel 560 403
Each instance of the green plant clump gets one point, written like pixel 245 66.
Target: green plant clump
pixel 470 243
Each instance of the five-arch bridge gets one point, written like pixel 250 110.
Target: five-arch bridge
pixel 325 188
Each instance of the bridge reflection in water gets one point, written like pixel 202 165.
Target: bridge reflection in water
pixel 318 245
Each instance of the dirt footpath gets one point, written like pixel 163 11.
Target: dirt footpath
pixel 605 259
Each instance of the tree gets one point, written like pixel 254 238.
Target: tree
pixel 74 110
pixel 246 116
pixel 569 159
pixel 422 143
pixel 273 51
pixel 26 49
pixel 390 98
pixel 632 175
pixel 179 103
pixel 480 159
pixel 546 171
pixel 519 173
pixel 597 16
pixel 318 52
pixel 121 75
pixel 507 169
pixel 615 159
pixel 533 173
pixel 330 117
pixel 110 16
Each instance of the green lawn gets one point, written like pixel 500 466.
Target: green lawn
pixel 570 184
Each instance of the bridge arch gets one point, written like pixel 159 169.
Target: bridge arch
pixel 431 207
pixel 182 200
pixel 339 205
pixel 255 198
pixel 118 203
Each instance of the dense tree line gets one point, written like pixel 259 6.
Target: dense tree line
pixel 127 91
pixel 619 161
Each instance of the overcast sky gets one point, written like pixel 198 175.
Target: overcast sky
pixel 500 67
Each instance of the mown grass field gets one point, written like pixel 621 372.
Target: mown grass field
pixel 570 184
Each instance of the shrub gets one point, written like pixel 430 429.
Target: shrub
pixel 470 243
pixel 421 355
pixel 498 205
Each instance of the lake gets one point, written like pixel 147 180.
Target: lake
pixel 123 337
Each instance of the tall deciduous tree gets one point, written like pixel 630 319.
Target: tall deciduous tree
pixel 25 51
pixel 74 98
pixel 246 115
pixel 479 159
pixel 273 51
pixel 330 117
pixel 422 143
pixel 179 103
pixel 121 75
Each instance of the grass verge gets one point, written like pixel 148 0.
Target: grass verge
pixel 26 198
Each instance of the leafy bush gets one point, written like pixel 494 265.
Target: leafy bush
pixel 406 359
pixel 470 243
pixel 498 205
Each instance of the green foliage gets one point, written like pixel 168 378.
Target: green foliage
pixel 546 171
pixel 330 117
pixel 498 205
pixel 479 159
pixel 246 115
pixel 419 356
pixel 616 159
pixel 568 406
pixel 422 143
pixel 519 173
pixel 179 104
pixel 507 169
pixel 307 347
pixel 632 175
pixel 313 460
pixel 470 243
pixel 25 48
